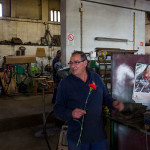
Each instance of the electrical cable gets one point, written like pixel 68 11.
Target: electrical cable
pixel 44 129
pixel 44 85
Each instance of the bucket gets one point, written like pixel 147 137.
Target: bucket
pixel 18 53
pixel 22 52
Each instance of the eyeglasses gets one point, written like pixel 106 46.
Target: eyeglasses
pixel 75 62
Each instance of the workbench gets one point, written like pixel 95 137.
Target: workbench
pixel 50 85
pixel 129 135
pixel 36 80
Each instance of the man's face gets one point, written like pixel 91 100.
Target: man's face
pixel 59 55
pixel 147 73
pixel 77 68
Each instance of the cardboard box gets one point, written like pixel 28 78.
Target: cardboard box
pixel 40 52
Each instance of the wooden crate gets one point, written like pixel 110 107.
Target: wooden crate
pixel 40 52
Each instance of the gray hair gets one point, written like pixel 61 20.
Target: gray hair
pixel 82 54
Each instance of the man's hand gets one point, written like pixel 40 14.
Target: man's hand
pixel 118 105
pixel 78 113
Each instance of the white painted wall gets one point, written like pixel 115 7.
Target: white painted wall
pixel 105 21
pixel 26 29
pixel 101 20
pixel 140 32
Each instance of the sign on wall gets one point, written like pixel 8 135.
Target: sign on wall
pixel 70 39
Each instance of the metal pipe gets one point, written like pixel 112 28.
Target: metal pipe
pixel 134 3
pixel 110 39
pixel 43 101
pixel 81 25
pixel 133 30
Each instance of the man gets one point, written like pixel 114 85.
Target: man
pixel 56 78
pixel 73 93
pixel 56 60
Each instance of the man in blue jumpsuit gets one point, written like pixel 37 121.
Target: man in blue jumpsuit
pixel 73 91
pixel 56 78
pixel 56 60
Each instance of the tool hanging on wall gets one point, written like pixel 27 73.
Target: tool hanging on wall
pixel 48 39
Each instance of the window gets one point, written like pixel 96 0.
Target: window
pixel 58 16
pixel 0 10
pixel 52 15
pixel 55 16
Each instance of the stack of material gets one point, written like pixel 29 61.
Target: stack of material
pixel 133 112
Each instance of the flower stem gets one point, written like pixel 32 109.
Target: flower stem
pixel 79 139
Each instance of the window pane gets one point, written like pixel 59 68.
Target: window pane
pixel 52 15
pixel 55 16
pixel 0 10
pixel 58 16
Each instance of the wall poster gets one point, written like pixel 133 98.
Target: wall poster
pixel 127 73
pixel 141 90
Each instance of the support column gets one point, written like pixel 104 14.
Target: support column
pixel 70 28
pixel 45 10
pixel 13 8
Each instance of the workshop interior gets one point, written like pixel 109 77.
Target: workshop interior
pixel 114 35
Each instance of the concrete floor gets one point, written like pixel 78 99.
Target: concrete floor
pixel 21 122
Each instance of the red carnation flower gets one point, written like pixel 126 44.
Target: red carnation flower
pixel 92 86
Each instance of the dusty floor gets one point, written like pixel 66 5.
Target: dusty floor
pixel 21 122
